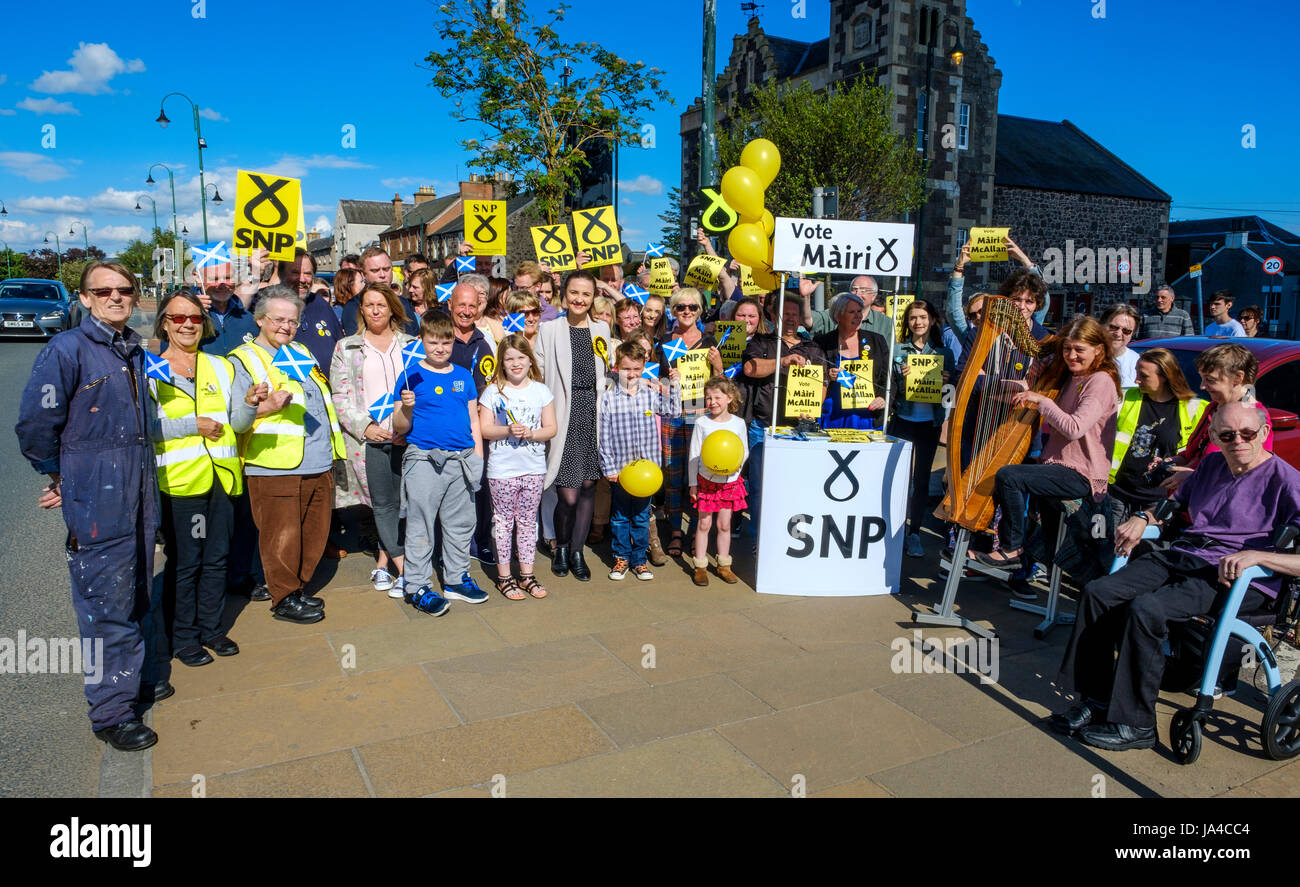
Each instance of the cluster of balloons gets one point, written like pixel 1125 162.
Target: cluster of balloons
pixel 743 188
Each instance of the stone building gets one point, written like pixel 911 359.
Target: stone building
pixel 357 224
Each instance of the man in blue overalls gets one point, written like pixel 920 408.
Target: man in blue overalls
pixel 82 422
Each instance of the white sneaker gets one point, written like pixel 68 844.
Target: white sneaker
pixel 620 569
pixel 381 579
pixel 398 591
pixel 912 547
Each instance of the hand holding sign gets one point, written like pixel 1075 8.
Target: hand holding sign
pixel 988 244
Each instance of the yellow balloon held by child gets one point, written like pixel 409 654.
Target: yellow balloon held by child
pixel 722 452
pixel 641 478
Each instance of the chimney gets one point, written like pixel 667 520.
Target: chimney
pixel 476 188
pixel 425 194
pixel 397 210
pixel 313 234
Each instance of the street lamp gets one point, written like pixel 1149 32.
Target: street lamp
pixel 58 246
pixel 155 207
pixel 171 178
pixel 85 237
pixel 932 33
pixel 163 121
pixel 3 211
pixel 216 198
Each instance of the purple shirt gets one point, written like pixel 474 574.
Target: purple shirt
pixel 1238 513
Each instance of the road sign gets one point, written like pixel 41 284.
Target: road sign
pixel 1273 265
pixel 1194 271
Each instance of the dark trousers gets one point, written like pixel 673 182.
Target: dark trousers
pixel 293 522
pixel 1012 487
pixel 482 542
pixel 925 443
pixel 196 534
pixel 244 561
pixel 1132 610
pixel 384 479
pixel 111 597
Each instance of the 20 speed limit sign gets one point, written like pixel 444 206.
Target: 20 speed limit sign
pixel 1273 265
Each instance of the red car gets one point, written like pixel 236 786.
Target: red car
pixel 1277 385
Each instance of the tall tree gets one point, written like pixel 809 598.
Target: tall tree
pixel 842 136
pixel 12 264
pixel 670 235
pixel 513 78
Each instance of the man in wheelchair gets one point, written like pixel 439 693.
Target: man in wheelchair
pixel 1234 500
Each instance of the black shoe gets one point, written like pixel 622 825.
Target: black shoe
pixel 222 646
pixel 309 599
pixel 579 567
pixel 560 560
pixel 292 609
pixel 260 593
pixel 1118 737
pixel 130 735
pixel 157 692
pixel 193 656
pixel 1078 717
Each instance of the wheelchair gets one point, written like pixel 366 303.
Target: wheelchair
pixel 1198 647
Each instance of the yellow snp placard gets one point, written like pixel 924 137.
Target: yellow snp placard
pixel 988 244
pixel 596 232
pixel 896 307
pixel 747 285
pixel 730 336
pixel 485 226
pixel 863 392
pixel 267 210
pixel 703 271
pixel 554 246
pixel 803 392
pixel 694 369
pixel 924 378
pixel 661 278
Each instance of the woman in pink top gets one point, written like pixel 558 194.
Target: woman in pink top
pixel 1075 461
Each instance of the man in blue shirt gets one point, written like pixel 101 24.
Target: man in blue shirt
pixel 1222 323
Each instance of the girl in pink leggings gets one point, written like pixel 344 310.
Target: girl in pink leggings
pixel 518 416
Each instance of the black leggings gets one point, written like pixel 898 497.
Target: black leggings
pixel 573 513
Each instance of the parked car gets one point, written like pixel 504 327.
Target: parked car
pixel 33 307
pixel 1277 385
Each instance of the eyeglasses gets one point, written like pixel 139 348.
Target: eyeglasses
pixel 277 322
pixel 103 292
pixel 1230 436
pixel 532 314
pixel 182 319
pixel 684 307
pixel 863 290
pixel 1124 331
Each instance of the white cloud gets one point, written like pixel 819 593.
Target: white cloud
pixel 210 114
pixel 65 204
pixel 4 78
pixel 297 166
pixel 92 66
pixel 317 208
pixel 626 201
pixel 33 167
pixel 323 225
pixel 7 112
pixel 642 184
pixel 47 106
pixel 117 234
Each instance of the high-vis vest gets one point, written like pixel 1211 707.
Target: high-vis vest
pixel 1189 416
pixel 186 464
pixel 277 440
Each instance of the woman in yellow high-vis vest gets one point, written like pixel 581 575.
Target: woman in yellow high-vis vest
pixel 195 421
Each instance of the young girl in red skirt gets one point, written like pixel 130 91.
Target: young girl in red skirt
pixel 710 492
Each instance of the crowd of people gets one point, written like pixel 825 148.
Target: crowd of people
pixel 470 416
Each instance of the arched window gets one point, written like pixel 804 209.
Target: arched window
pixel 861 32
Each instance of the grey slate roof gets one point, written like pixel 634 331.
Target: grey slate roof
pixel 369 212
pixel 1261 230
pixel 794 57
pixel 1055 156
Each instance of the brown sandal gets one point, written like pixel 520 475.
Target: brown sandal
pixel 528 582
pixel 675 544
pixel 507 586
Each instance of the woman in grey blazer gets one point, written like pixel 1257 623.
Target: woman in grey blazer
pixel 574 354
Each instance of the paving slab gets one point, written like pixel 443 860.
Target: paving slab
pixel 458 633
pixel 350 608
pixel 333 775
pixel 561 615
pixel 857 788
pixel 638 716
pixel 820 623
pixel 812 677
pixel 959 705
pixel 259 665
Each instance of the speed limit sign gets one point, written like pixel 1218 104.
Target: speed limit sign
pixel 1273 265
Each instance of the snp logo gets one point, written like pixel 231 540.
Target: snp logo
pixel 91 841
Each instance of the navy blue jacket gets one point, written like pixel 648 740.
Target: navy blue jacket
pixel 83 415
pixel 233 329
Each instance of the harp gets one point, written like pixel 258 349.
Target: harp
pixel 985 433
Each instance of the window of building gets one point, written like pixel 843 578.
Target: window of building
pixel 862 32
pixel 1272 303
pixel 921 123
pixel 963 127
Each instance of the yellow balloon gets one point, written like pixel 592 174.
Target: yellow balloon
pixel 766 279
pixel 749 245
pixel 641 478
pixel 768 223
pixel 763 158
pixel 722 452
pixel 743 191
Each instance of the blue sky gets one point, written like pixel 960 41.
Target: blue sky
pixel 1168 85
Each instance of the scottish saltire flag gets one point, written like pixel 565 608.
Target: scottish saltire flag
pixel 675 348
pixel 293 364
pixel 847 379
pixel 412 354
pixel 444 290
pixel 513 323
pixel 635 293
pixel 725 336
pixel 654 251
pixel 208 254
pixel 156 367
pixel 730 372
pixel 465 265
pixel 651 371
pixel 382 408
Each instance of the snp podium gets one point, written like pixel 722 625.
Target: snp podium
pixel 834 516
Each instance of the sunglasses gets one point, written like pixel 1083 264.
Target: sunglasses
pixel 682 308
pixel 1119 329
pixel 182 319
pixel 1230 436
pixel 103 292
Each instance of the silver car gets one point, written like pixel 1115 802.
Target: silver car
pixel 31 307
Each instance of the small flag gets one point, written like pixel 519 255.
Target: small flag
pixel 651 371
pixel 847 379
pixel 725 337
pixel 412 354
pixel 654 251
pixel 635 293
pixel 465 265
pixel 292 364
pixel 675 348
pixel 513 323
pixel 444 290
pixel 511 416
pixel 208 254
pixel 382 408
pixel 157 368
pixel 730 372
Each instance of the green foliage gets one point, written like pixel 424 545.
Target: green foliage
pixel 71 275
pixel 843 136
pixel 503 71
pixel 670 235
pixel 12 264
